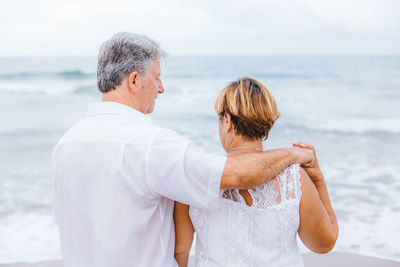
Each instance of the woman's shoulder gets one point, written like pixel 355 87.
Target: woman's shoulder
pixel 289 180
pixel 292 170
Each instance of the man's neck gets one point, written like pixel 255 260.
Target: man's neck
pixel 114 96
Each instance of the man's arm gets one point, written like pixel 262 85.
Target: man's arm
pixel 249 170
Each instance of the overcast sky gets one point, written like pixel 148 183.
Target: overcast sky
pixel 63 28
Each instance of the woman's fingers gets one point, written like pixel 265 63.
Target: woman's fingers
pixel 297 144
pixel 303 145
pixel 308 146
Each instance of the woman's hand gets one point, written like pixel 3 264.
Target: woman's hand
pixel 313 171
pixel 303 156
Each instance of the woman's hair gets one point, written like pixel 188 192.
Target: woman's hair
pixel 251 106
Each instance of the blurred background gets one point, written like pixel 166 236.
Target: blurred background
pixel 333 67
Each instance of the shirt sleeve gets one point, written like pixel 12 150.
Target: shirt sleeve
pixel 181 171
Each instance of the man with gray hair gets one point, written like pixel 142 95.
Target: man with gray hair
pixel 117 175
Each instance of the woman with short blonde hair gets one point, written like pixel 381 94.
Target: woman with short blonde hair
pixel 257 226
pixel 251 106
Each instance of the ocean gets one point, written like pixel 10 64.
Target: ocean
pixel 348 107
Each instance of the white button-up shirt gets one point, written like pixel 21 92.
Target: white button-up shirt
pixel 116 176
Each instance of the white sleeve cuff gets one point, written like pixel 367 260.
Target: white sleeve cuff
pixel 214 191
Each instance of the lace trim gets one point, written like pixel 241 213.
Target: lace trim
pixel 285 186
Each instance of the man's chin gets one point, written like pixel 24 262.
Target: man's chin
pixel 150 110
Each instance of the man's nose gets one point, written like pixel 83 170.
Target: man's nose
pixel 160 88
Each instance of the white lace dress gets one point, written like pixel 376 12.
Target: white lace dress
pixel 263 234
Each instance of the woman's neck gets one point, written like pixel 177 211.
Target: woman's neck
pixel 241 145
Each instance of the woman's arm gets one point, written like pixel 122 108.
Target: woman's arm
pixel 184 232
pixel 318 225
pixel 317 178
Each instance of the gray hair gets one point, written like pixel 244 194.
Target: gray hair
pixel 123 53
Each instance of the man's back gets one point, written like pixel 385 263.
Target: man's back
pixel 103 204
pixel 116 176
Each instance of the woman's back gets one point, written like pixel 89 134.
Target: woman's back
pixel 263 234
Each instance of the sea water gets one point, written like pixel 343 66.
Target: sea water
pixel 348 107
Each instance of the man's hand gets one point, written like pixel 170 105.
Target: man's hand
pixel 313 170
pixel 303 156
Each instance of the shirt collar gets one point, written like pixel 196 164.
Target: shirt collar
pixel 101 108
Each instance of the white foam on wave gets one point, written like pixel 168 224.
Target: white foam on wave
pixel 45 86
pixel 34 231
pixel 360 125
pixel 378 238
pixel 346 125
pixel 366 201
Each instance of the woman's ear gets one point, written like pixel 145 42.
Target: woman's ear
pixel 228 122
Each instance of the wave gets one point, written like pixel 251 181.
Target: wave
pixel 284 75
pixel 229 75
pixel 21 133
pixel 86 89
pixel 350 126
pixel 66 75
pixel 49 87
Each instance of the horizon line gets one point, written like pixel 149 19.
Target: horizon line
pixel 208 55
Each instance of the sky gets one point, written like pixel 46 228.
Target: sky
pixel 226 27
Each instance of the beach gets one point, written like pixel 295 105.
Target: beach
pixel 310 260
pixel 346 106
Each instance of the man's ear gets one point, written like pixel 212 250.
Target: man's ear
pixel 134 81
